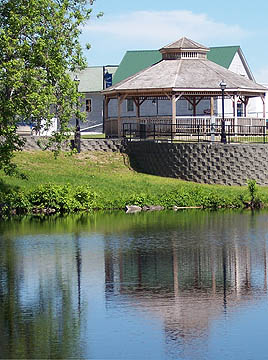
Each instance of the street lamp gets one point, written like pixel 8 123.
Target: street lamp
pixel 223 133
pixel 77 134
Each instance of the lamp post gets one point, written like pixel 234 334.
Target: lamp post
pixel 77 134
pixel 223 133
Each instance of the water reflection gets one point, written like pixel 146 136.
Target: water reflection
pixel 116 286
pixel 38 310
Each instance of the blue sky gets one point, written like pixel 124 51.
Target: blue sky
pixel 151 24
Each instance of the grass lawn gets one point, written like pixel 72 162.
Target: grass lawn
pixel 93 136
pixel 105 172
pixel 108 174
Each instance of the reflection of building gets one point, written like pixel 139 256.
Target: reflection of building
pixel 186 285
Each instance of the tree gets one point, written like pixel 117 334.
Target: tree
pixel 39 46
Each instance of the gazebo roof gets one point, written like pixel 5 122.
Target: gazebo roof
pixel 185 72
pixel 185 44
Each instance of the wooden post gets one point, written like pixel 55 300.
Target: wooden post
pixel 138 108
pixel 263 106
pixel 235 111
pixel 194 106
pixel 173 100
pixel 119 102
pixel 246 106
pixel 212 106
pixel 106 115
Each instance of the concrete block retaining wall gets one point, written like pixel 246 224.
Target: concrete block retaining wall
pixel 230 164
pixel 86 144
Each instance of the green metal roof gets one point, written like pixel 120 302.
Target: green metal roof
pixel 222 55
pixel 135 61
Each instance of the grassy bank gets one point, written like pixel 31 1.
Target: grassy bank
pixel 99 180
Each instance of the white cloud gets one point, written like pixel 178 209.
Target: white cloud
pixel 153 29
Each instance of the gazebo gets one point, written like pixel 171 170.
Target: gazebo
pixel 183 73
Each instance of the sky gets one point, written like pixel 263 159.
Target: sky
pixel 152 24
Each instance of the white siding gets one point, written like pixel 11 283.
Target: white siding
pixel 237 66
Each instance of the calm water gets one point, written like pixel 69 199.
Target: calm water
pixel 185 285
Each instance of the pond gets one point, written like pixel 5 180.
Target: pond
pixel 159 285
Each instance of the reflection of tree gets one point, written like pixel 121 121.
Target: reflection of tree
pixel 45 327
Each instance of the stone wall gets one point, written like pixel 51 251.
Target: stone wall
pixel 112 145
pixel 230 164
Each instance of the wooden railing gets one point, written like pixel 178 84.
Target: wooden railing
pixel 114 128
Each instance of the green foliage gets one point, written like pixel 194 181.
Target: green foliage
pixel 99 180
pixel 62 198
pixel 252 188
pixel 86 198
pixel 39 46
pixel 16 202
pixel 255 201
pixel 48 199
pixel 53 197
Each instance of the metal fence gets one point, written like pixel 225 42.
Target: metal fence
pixel 195 133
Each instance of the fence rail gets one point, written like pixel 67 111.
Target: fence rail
pixel 195 132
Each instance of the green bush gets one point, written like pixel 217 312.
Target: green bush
pixel 86 198
pixel 14 202
pixel 51 198
pixel 62 198
pixel 255 201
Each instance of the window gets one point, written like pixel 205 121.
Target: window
pixel 130 105
pixel 88 105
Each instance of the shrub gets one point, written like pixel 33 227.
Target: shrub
pixel 86 198
pixel 63 198
pixel 14 202
pixel 255 201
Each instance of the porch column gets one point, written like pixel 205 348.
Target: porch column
pixel 138 110
pixel 212 106
pixel 194 106
pixel 138 104
pixel 235 110
pixel 120 100
pixel 246 106
pixel 174 113
pixel 138 107
pixel 106 129
pixel 119 103
pixel 263 106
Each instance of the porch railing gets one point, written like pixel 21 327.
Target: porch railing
pixel 114 126
pixel 195 133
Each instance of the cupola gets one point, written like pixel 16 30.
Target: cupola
pixel 184 49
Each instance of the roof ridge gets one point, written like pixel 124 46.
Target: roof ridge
pixel 184 43
pixel 225 46
pixel 177 71
pixel 145 50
